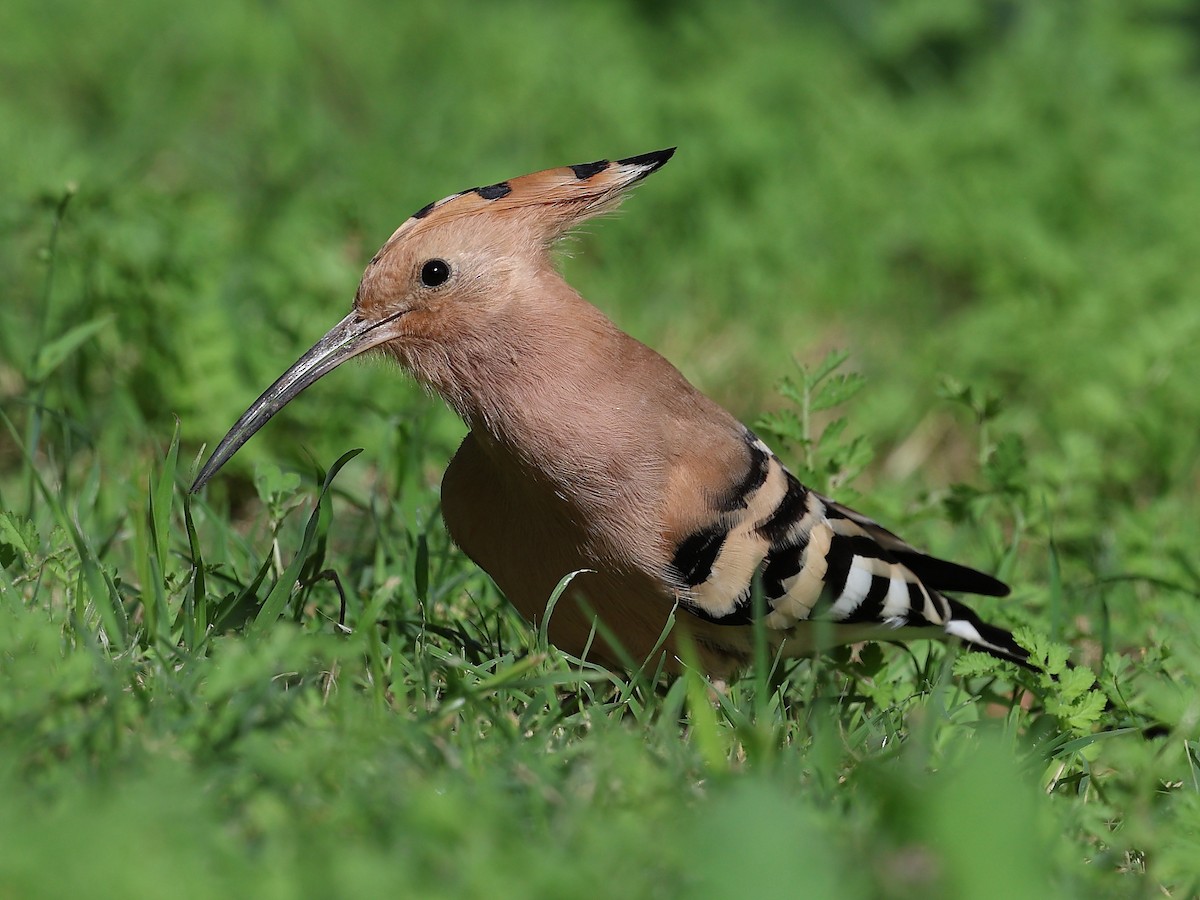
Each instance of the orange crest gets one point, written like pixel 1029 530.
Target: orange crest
pixel 554 199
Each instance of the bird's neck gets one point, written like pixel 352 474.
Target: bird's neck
pixel 546 382
pixel 546 374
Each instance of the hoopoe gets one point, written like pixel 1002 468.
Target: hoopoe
pixel 589 453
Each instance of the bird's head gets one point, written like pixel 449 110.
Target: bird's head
pixel 448 271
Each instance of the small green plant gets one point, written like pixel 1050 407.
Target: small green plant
pixel 829 459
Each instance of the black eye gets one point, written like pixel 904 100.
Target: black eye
pixel 435 272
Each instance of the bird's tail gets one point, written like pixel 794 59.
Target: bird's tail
pixel 979 635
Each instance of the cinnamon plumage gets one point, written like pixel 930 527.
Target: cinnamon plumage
pixel 590 453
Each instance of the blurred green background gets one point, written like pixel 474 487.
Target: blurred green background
pixel 993 206
pixel 1003 192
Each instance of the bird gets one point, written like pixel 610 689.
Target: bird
pixel 591 461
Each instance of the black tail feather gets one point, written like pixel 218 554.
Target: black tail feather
pixel 990 639
pixel 941 575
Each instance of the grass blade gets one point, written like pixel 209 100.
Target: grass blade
pixel 273 606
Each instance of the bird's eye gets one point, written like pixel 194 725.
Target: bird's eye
pixel 435 272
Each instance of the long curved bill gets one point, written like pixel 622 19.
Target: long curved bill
pixel 347 339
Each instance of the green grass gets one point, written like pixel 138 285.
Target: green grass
pixel 990 207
